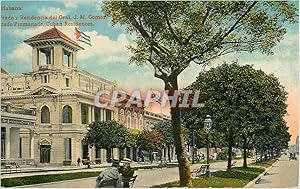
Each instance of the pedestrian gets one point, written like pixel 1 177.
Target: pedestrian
pixel 88 162
pixel 126 171
pixel 78 162
pixel 110 175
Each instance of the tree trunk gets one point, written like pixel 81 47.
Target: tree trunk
pixel 108 155
pixel 169 154
pixel 272 153
pixel 121 155
pixel 256 156
pixel 245 153
pixel 230 145
pixel 185 176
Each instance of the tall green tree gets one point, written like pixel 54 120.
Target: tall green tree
pixel 242 101
pixel 165 128
pixel 150 140
pixel 109 134
pixel 170 35
pixel 271 139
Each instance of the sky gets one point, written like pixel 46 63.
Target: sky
pixel 109 57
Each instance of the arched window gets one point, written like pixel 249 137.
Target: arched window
pixel 128 119
pixel 122 116
pixel 141 122
pixel 45 115
pixel 134 121
pixel 67 114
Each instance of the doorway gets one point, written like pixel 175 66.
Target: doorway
pixel 45 153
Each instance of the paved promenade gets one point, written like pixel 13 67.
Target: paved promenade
pixel 284 173
pixel 146 178
pixel 31 171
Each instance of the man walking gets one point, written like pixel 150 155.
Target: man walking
pixel 78 162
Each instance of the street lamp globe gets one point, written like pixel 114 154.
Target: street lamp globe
pixel 207 123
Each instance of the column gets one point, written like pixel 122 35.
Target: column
pixel 51 56
pixel 93 113
pixel 104 114
pixel 101 114
pixel 162 154
pixel 7 142
pixel 31 144
pixel 74 59
pixel 103 155
pixel 80 114
pixel 91 153
pixel 112 115
pixel 131 153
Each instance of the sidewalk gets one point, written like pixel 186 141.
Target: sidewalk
pixel 146 177
pixel 31 171
pixel 284 173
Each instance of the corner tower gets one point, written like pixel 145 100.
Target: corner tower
pixel 53 50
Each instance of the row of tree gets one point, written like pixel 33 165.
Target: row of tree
pixel 113 134
pixel 247 107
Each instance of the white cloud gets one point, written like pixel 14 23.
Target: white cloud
pixel 106 50
pixel 48 11
pixel 70 4
pixel 30 32
pixel 73 4
pixel 21 55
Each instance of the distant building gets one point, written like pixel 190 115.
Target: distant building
pixel 297 144
pixel 151 118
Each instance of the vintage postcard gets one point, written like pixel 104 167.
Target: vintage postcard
pixel 142 94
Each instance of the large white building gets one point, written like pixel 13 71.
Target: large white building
pixel 64 100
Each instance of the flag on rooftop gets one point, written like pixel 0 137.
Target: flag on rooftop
pixel 82 37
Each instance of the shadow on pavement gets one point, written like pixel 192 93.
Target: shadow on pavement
pixel 263 181
pixel 271 173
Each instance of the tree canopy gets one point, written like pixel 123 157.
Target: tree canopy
pixel 109 134
pixel 165 128
pixel 241 100
pixel 172 34
pixel 150 140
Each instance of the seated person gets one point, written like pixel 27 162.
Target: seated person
pixel 109 174
pixel 126 171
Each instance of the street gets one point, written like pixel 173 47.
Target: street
pixel 284 173
pixel 146 177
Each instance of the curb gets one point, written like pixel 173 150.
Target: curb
pixel 257 179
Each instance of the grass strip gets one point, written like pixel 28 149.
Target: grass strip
pixel 156 166
pixel 265 164
pixel 236 177
pixel 38 179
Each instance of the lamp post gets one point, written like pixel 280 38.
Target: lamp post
pixel 207 126
pixel 193 145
